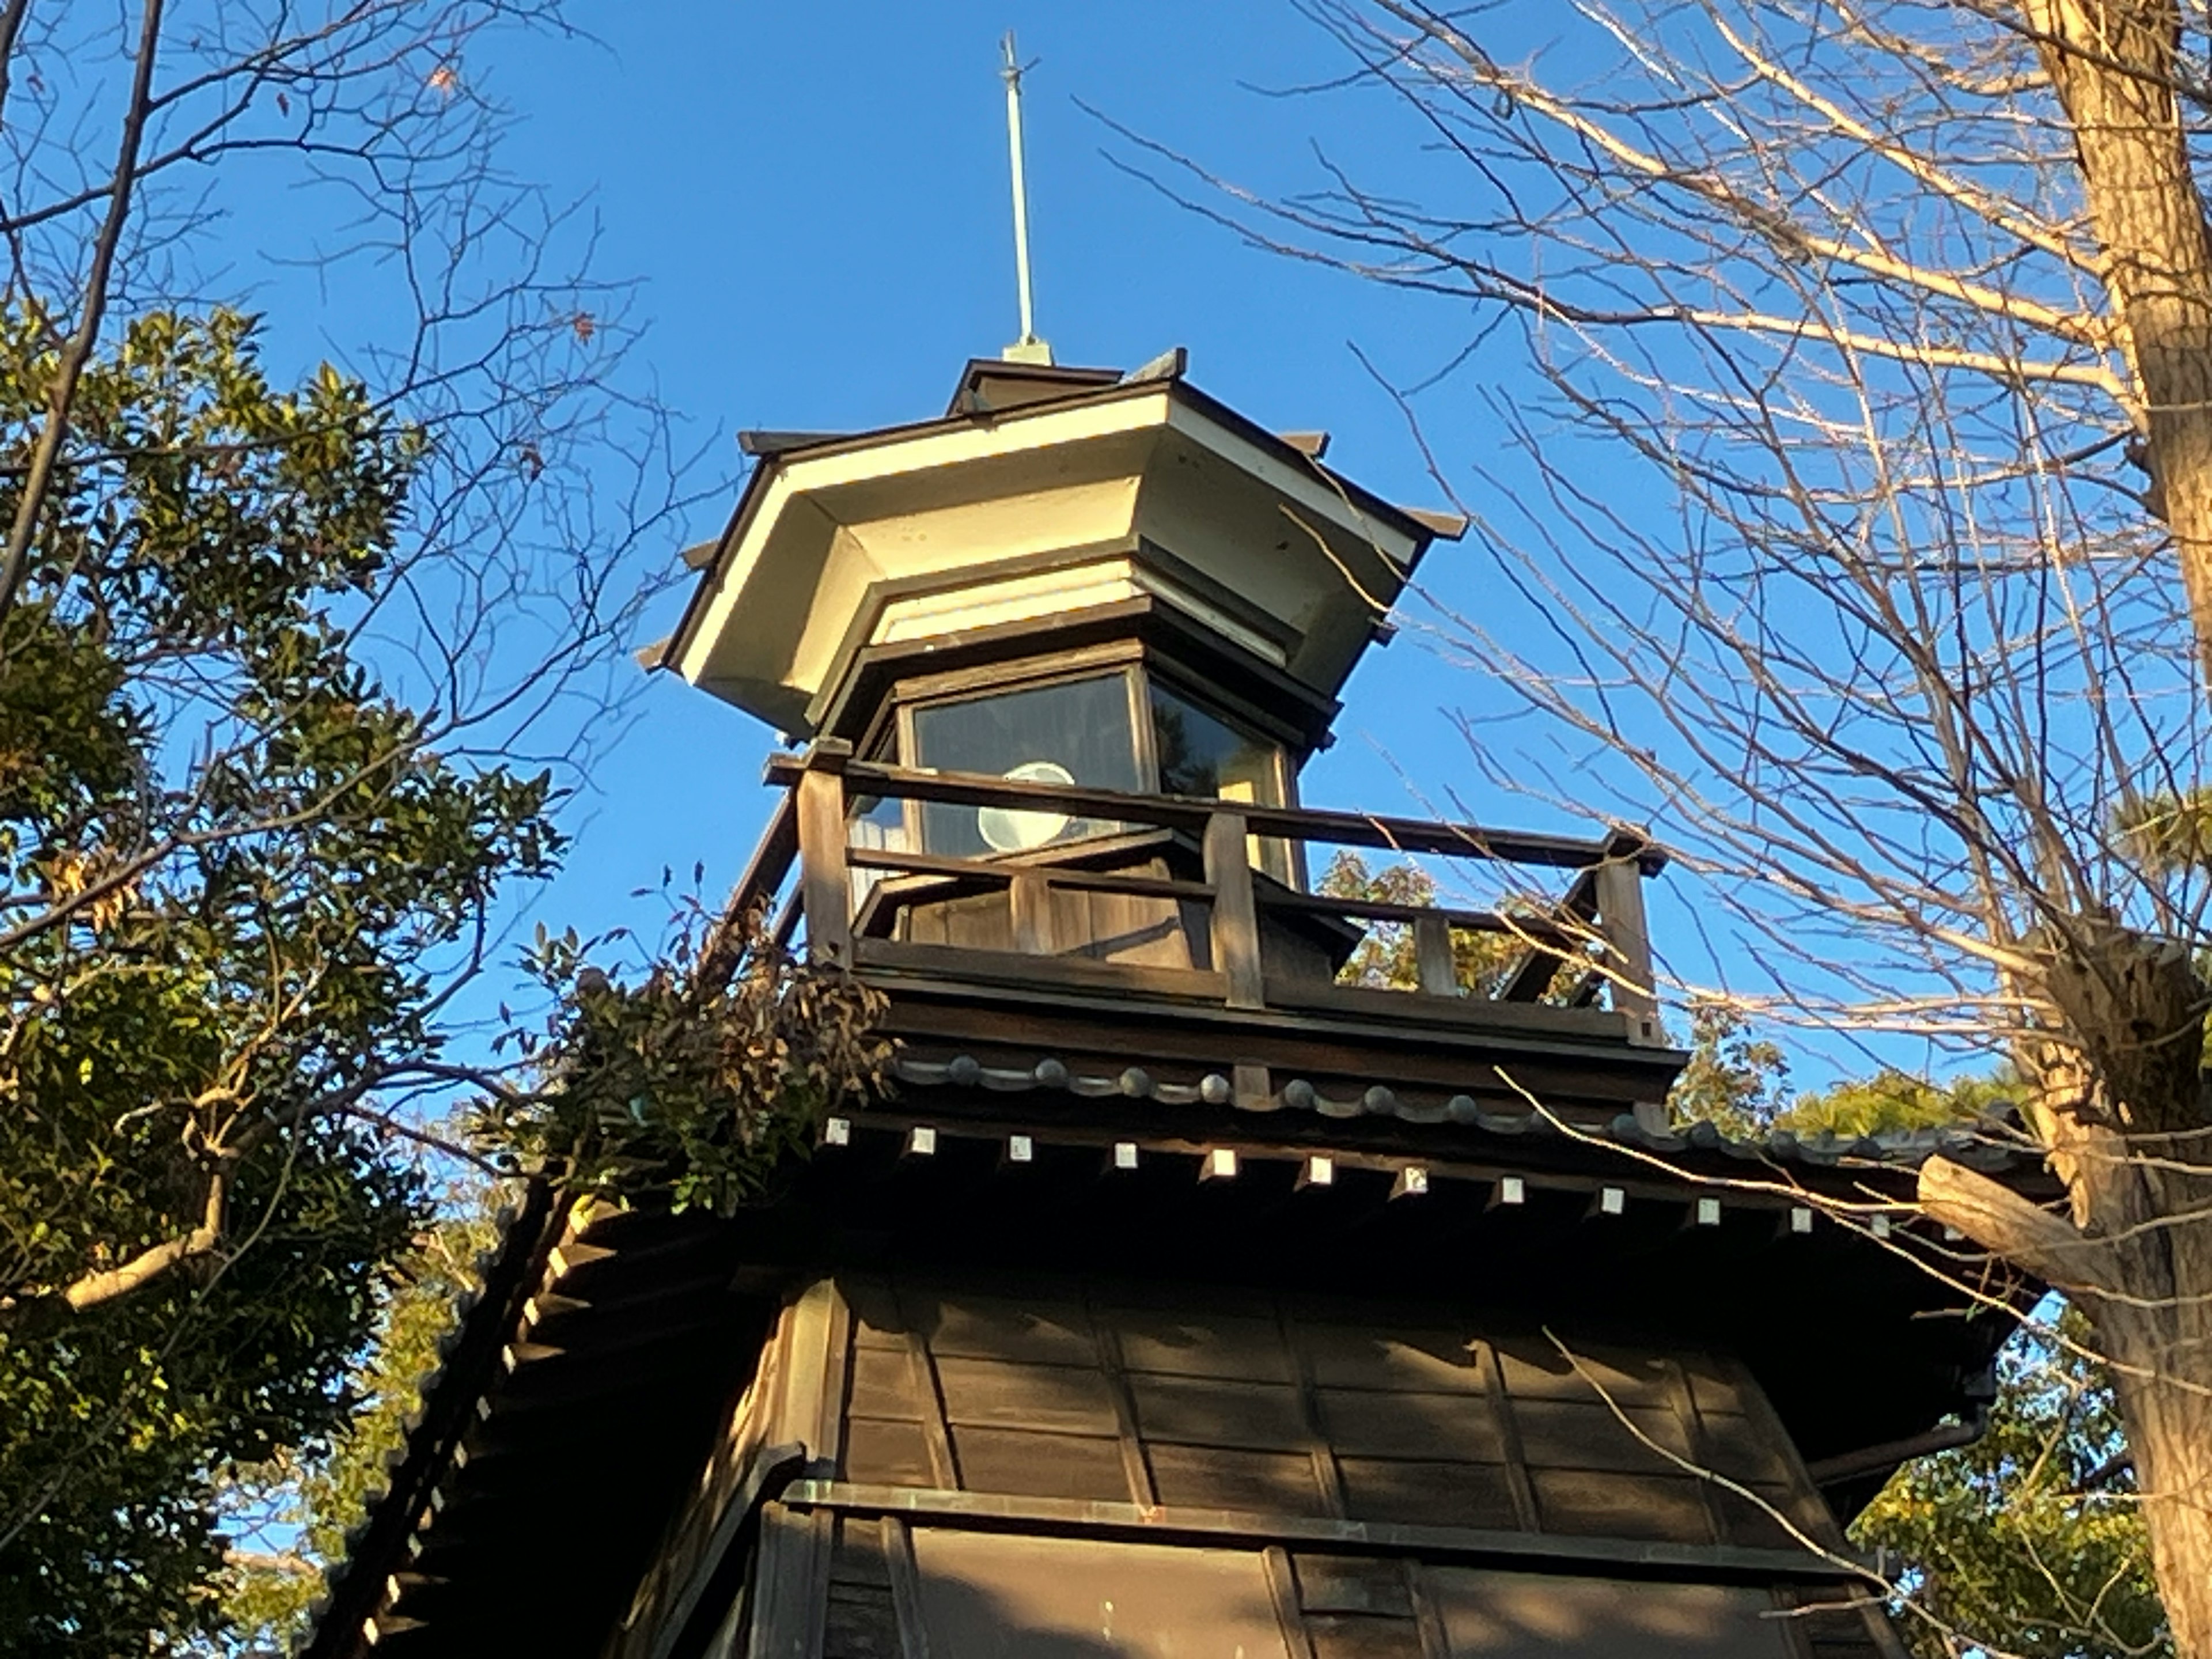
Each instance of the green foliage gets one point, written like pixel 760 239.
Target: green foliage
pixel 1733 1079
pixel 288 1517
pixel 1892 1100
pixel 231 859
pixel 698 1083
pixel 1385 959
pixel 2028 1541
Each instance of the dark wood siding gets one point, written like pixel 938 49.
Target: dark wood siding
pixel 1219 1400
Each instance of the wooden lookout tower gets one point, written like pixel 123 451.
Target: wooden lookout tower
pixel 1193 1295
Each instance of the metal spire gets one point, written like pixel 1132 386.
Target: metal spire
pixel 1028 348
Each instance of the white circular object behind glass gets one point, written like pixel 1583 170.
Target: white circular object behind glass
pixel 1008 830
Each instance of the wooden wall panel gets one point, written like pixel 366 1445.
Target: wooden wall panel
pixel 1369 1423
pixel 1669 1509
pixel 1227 1478
pixel 1003 1394
pixel 1219 1401
pixel 1028 1465
pixel 1423 1492
pixel 1199 1411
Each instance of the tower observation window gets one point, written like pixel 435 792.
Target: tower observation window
pixel 1074 732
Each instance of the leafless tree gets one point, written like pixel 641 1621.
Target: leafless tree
pixel 1907 304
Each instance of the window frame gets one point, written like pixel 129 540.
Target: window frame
pixel 1141 667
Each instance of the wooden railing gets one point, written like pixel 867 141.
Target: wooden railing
pixel 1598 923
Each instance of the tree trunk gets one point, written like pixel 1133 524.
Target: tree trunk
pixel 2165 1400
pixel 2119 1105
pixel 2113 63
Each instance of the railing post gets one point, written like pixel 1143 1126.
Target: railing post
pixel 1620 916
pixel 825 882
pixel 1028 902
pixel 1432 957
pixel 1235 922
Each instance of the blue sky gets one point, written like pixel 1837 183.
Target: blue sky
pixel 815 200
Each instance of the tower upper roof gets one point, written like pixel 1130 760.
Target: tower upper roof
pixel 1044 490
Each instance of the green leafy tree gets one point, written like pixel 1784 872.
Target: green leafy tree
pixel 239 877
pixel 1384 959
pixel 285 1519
pixel 2030 1541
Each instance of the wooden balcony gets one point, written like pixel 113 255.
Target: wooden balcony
pixel 1169 909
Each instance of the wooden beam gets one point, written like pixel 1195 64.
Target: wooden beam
pixel 994 1512
pixel 825 883
pixel 1621 917
pixel 1432 957
pixel 1235 930
pixel 1269 823
pixel 1029 902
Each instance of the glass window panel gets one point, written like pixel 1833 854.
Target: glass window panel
pixel 1077 732
pixel 1201 753
pixel 992 1596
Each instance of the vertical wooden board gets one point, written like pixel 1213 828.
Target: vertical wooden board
pixel 859 1622
pixel 791 1583
pixel 1136 1467
pixel 921 1369
pixel 1319 1452
pixel 906 1589
pixel 812 1323
pixel 824 879
pixel 1282 1590
pixel 856 1558
pixel 1236 934
pixel 1517 1484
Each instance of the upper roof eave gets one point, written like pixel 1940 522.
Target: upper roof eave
pixel 1420 531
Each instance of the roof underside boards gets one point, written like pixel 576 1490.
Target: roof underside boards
pixel 596 1406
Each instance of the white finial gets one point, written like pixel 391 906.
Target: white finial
pixel 1028 348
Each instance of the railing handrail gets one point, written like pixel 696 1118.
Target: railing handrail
pixel 1192 813
pixel 811 826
